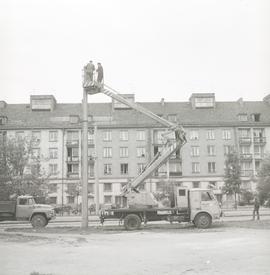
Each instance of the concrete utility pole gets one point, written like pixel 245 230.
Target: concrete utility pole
pixel 96 171
pixel 84 162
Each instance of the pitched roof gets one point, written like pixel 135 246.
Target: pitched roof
pixel 224 114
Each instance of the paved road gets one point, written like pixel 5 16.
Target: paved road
pixel 230 215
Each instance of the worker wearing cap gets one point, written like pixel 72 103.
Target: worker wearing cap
pixel 90 68
pixel 100 73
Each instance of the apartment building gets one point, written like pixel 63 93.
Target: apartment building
pixel 125 141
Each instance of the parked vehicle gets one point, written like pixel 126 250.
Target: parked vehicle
pixel 26 209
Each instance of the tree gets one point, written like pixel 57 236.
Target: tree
pixel 232 180
pixel 264 180
pixel 15 159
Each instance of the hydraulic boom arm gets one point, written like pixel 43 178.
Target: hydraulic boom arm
pixel 171 146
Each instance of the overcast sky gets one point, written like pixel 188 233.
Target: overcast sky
pixel 154 49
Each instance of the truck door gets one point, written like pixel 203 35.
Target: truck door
pixel 24 209
pixel 182 197
pixel 209 203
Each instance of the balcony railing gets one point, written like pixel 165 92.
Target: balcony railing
pixel 246 173
pixel 72 142
pixel 260 140
pixel 246 156
pixel 245 140
pixel 258 155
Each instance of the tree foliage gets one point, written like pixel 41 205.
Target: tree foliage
pixel 16 156
pixel 232 176
pixel 264 180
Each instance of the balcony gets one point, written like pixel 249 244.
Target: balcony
pixel 258 155
pixel 72 142
pixel 245 156
pixel 73 159
pixel 259 140
pixel 246 173
pixel 245 140
pixel 175 174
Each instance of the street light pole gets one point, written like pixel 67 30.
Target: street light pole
pixel 96 171
pixel 84 162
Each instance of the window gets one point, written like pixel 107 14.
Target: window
pixel 210 134
pixel 23 201
pixel 244 149
pixel 124 135
pixel 158 136
pixel 91 153
pixel 91 188
pixel 212 184
pixel 36 136
pixel 53 169
pixel 204 102
pixel 107 136
pixel 226 134
pixel 211 150
pixel 53 188
pixel 53 135
pixel 196 184
pixel 141 167
pixel 52 200
pixel 3 120
pixel 140 135
pixel 258 151
pixel 90 137
pixel 211 167
pixel 195 151
pixel 72 135
pixel 107 152
pixel 107 169
pixel 244 133
pixel 91 170
pixel 228 149
pixel 195 167
pixel 19 135
pixel 124 168
pixel 255 117
pixel 107 199
pixel 194 135
pixel 73 119
pixel 53 153
pixel 70 199
pixel 242 117
pixel 73 153
pixel 141 152
pixel 73 168
pixel 123 152
pixel 205 196
pixel 107 187
pixel 172 117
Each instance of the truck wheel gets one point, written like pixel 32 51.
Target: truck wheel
pixel 203 220
pixel 39 221
pixel 132 222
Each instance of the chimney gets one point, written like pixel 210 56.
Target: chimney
pixel 162 102
pixel 3 104
pixel 240 102
pixel 267 99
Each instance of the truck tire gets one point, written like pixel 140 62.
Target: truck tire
pixel 132 222
pixel 39 221
pixel 203 220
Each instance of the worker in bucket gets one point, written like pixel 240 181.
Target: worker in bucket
pixel 90 68
pixel 100 73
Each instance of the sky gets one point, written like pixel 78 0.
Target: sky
pixel 152 48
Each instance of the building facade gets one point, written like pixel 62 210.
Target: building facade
pixel 122 141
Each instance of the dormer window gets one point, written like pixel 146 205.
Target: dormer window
pixel 256 117
pixel 3 120
pixel 243 117
pixel 204 102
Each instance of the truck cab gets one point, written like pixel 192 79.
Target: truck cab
pixel 25 208
pixel 202 205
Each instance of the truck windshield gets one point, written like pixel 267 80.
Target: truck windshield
pixel 31 201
